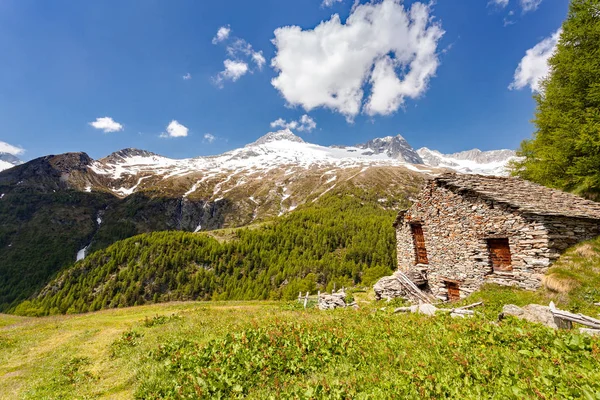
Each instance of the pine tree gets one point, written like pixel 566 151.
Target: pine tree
pixel 565 150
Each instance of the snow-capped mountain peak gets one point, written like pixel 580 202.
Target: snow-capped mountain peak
pixel 122 155
pixel 284 134
pixel 491 162
pixel 394 147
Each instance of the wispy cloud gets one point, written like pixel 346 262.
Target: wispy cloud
pixel 175 130
pixel 241 56
pixel 304 124
pixel 233 71
pixel 222 34
pixel 106 124
pixel 10 149
pixel 498 3
pixel 529 5
pixel 534 67
pixel 330 3
pixel 187 77
pixel 209 137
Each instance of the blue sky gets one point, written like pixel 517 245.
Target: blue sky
pixel 66 63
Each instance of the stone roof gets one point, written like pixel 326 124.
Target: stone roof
pixel 525 196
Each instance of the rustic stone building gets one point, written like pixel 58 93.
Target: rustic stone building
pixel 465 230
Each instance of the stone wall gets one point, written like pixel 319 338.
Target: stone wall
pixel 456 228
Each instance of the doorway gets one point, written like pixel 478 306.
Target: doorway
pixel 419 242
pixel 500 254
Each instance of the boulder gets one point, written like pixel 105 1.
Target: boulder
pixel 427 309
pixel 331 301
pixel 535 313
pixel 390 287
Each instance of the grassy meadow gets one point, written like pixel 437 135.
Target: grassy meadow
pixel 279 350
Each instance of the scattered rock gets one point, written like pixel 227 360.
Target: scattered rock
pixel 535 313
pixel 427 309
pixel 401 285
pixel 334 300
pixel 389 287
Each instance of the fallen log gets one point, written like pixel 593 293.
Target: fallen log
pixel 479 303
pixel 457 310
pixel 577 318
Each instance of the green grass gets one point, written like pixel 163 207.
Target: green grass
pixel 278 350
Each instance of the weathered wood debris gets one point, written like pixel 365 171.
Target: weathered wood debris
pixel 552 317
pixel 534 313
pixel 400 285
pixel 430 309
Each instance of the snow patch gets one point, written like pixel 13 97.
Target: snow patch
pixel 82 253
pixel 126 192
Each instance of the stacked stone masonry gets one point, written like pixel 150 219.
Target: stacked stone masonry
pixel 459 214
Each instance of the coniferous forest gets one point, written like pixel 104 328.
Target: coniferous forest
pixel 342 240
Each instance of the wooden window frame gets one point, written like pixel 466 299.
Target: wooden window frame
pixel 452 289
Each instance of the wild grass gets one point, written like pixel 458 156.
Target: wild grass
pixel 279 350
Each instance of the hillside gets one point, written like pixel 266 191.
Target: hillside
pixel 69 205
pixel 344 239
pixel 48 218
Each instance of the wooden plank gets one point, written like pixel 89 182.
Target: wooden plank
pixel 577 318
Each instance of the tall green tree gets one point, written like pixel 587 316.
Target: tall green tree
pixel 564 152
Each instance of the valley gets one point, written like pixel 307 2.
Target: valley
pixel 56 210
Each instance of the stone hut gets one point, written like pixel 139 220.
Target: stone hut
pixel 465 230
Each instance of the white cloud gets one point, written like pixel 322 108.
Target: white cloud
pixel 534 66
pixel 529 5
pixel 259 59
pixel 187 77
pixel 241 54
pixel 10 149
pixel 107 124
pixel 305 123
pixel 499 3
pixel 330 3
pixel 380 43
pixel 175 129
pixel 242 49
pixel 209 137
pixel 233 71
pixel 222 34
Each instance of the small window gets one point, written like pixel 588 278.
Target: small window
pixel 500 255
pixel 453 290
pixel 419 242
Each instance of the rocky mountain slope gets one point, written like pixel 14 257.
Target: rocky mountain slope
pixel 57 209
